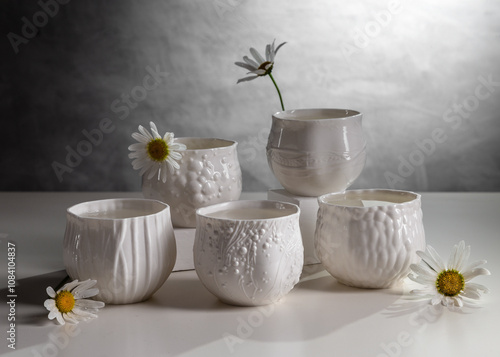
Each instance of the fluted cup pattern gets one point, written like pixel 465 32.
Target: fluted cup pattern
pixel 129 257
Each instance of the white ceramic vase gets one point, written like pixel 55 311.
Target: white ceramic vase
pixel 248 253
pixel 369 238
pixel 209 173
pixel 316 151
pixel 127 245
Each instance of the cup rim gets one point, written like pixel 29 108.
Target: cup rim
pixel 308 114
pixel 205 211
pixel 78 209
pixel 377 194
pixel 223 143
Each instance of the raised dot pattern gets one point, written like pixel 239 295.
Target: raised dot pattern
pixel 248 263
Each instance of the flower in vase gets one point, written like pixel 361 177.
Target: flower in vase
pixel 448 283
pixel 69 304
pixel 261 67
pixel 153 154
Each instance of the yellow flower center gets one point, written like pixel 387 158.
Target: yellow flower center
pixel 65 301
pixel 158 150
pixel 450 282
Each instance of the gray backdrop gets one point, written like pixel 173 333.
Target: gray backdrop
pixel 425 74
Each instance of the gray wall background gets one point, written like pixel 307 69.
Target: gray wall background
pixel 416 69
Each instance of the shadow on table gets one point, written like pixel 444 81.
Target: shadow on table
pixel 316 307
pixel 189 294
pixel 29 296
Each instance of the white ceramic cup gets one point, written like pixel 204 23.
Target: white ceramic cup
pixel 369 238
pixel 127 245
pixel 248 253
pixel 316 151
pixel 209 173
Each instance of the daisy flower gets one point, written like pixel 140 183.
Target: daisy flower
pixel 153 154
pixel 70 303
pixel 448 284
pixel 261 67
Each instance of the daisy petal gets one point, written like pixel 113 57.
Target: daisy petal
pixel 153 170
pixel 175 155
pixel 458 255
pixel 49 304
pixel 475 272
pixel 169 138
pixel 140 138
pixel 69 286
pixel 246 79
pixel 423 270
pixel 153 126
pixel 89 304
pixel 88 293
pixel 257 55
pixel 471 294
pixel 82 287
pixel 465 257
pixel 277 48
pixel 53 314
pixel 246 66
pixel 178 146
pixel 51 292
pixel 433 259
pixel 145 169
pixel 137 146
pixel 421 279
pixel 471 266
pixel 251 62
pixel 478 287
pixel 436 300
pixel 83 313
pixel 71 318
pixel 59 318
pixel 163 173
pixel 145 133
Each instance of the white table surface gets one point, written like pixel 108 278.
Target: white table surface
pixel 319 317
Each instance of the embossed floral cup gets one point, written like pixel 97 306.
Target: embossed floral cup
pixel 127 245
pixel 209 173
pixel 248 253
pixel 369 238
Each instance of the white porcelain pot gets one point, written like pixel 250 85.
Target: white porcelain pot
pixel 369 238
pixel 209 173
pixel 316 151
pixel 127 245
pixel 248 253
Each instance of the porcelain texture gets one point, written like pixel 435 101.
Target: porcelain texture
pixel 248 253
pixel 209 173
pixel 316 151
pixel 369 247
pixel 127 245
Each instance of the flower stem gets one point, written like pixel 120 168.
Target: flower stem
pixel 279 93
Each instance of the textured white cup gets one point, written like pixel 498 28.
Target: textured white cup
pixel 209 173
pixel 372 246
pixel 316 151
pixel 127 245
pixel 248 253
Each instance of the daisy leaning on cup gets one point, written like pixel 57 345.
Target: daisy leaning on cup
pixel 448 283
pixel 153 154
pixel 70 303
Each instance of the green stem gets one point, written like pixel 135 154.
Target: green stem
pixel 279 93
